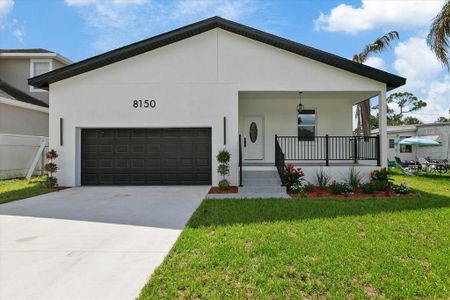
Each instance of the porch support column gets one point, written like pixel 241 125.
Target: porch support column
pixel 382 126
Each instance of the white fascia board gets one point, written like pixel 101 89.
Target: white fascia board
pixel 25 105
pixel 38 55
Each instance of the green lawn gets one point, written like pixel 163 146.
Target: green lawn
pixel 16 189
pixel 313 248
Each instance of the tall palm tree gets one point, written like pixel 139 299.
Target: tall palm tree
pixel 363 108
pixel 438 38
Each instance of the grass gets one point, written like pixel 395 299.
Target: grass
pixel 17 189
pixel 313 248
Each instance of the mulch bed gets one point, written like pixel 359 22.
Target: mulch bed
pixel 216 190
pixel 326 193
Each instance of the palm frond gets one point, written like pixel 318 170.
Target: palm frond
pixel 377 46
pixel 438 38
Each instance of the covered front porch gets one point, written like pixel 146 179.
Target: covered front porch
pixel 311 129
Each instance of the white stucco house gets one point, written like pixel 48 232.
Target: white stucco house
pixel 158 111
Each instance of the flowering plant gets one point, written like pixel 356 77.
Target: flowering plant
pixel 383 174
pixel 293 176
pixel 401 189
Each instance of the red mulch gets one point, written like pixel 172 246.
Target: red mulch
pixel 326 193
pixel 216 190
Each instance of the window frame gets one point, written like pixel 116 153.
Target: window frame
pixel 392 145
pixel 306 138
pixel 39 60
pixel 405 148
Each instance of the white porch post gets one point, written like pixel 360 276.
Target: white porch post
pixel 382 125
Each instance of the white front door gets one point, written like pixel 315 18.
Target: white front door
pixel 253 142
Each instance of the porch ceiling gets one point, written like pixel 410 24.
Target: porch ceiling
pixel 353 96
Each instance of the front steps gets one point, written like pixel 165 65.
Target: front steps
pixel 258 183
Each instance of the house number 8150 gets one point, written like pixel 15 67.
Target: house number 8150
pixel 144 103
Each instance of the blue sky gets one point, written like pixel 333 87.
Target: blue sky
pixel 78 29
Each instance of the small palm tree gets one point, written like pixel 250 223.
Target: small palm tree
pixel 438 38
pixel 363 108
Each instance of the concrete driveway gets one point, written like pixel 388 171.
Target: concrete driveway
pixel 90 242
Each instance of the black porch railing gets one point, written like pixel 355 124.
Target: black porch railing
pixel 240 161
pixel 327 148
pixel 279 160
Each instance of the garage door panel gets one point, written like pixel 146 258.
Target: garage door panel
pixel 146 156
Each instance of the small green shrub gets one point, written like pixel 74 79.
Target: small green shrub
pixel 383 174
pixel 322 179
pixel 223 169
pixel 380 185
pixel 224 184
pixel 296 188
pixel 337 188
pixel 401 188
pixel 367 188
pixel 354 178
pixel 223 157
pixel 308 188
pixel 50 182
pixel 51 168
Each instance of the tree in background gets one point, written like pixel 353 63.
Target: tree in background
pixel 406 103
pixel 411 121
pixel 362 113
pixel 443 119
pixel 438 38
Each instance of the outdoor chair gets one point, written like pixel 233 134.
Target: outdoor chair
pixel 398 161
pixel 425 165
pixel 406 170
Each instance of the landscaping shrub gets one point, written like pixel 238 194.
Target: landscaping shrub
pixel 380 185
pixel 293 175
pixel 367 188
pixel 223 157
pixel 297 188
pixel 51 169
pixel 322 179
pixel 401 188
pixel 354 178
pixel 383 174
pixel 381 179
pixel 340 188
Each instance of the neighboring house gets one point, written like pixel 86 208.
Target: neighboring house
pixel 159 110
pixel 439 132
pixel 23 108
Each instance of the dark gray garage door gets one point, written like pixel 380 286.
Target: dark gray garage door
pixel 144 156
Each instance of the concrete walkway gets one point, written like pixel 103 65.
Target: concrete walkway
pixel 90 242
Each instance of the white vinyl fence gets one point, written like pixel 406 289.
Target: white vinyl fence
pixel 17 153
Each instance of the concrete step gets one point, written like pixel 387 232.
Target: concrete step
pixel 261 178
pixel 262 189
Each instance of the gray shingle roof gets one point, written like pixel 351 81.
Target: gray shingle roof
pixel 43 81
pixel 16 94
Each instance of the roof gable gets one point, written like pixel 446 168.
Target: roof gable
pixel 16 94
pixel 43 81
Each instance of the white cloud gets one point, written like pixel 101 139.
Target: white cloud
pixel 375 62
pixel 5 8
pixel 426 78
pixel 395 14
pixel 19 34
pixel 118 22
pixel 415 61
